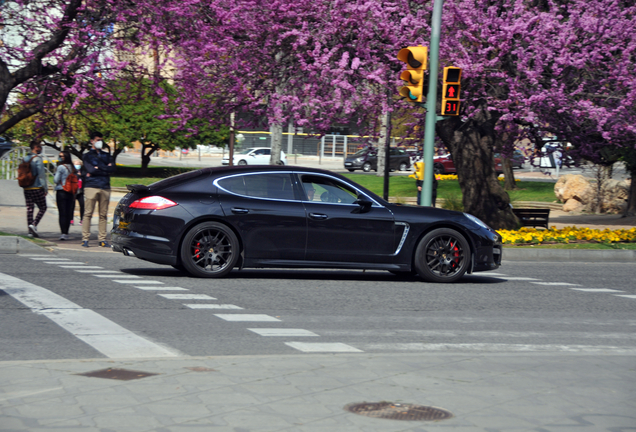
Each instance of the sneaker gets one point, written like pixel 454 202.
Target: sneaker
pixel 104 244
pixel 85 243
pixel 63 237
pixel 80 223
pixel 72 222
pixel 33 231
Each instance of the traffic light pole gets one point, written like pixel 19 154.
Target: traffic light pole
pixel 431 108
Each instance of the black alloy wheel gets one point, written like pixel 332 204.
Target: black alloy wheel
pixel 366 167
pixel 443 255
pixel 210 249
pixel 438 169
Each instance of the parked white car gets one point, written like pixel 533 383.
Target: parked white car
pixel 254 156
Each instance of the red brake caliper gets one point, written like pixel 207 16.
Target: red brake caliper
pixel 197 250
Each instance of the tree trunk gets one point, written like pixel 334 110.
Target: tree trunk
pixel 509 175
pixel 146 152
pixel 631 201
pixel 471 146
pixel 276 133
pixel 383 143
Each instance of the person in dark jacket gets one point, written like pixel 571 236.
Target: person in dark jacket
pixel 99 166
pixel 35 194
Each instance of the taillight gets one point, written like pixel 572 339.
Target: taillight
pixel 152 203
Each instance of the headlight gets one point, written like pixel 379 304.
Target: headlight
pixel 477 221
pixel 359 159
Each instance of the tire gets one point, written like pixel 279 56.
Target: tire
pixel 366 167
pixel 210 249
pixel 242 162
pixel 443 255
pixel 403 166
pixel 438 169
pixel 350 169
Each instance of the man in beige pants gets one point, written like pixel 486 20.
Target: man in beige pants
pixel 99 166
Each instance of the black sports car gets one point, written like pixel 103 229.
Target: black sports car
pixel 210 221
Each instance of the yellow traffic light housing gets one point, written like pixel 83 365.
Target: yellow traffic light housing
pixel 451 86
pixel 415 58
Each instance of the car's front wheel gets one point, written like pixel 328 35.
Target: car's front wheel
pixel 242 162
pixel 366 167
pixel 443 255
pixel 403 166
pixel 210 249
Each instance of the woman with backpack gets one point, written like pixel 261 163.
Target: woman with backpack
pixel 65 188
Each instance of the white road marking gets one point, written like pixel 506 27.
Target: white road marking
pixel 65 262
pixel 246 317
pixel 99 271
pixel 102 334
pixel 17 395
pixel 520 278
pixel 489 274
pixel 186 296
pixel 322 347
pixel 212 306
pixel 120 275
pixel 626 295
pixel 81 267
pixel 556 283
pixel 158 288
pixel 282 332
pixel 596 290
pixel 486 347
pixel 125 281
pixel 36 255
pixel 51 259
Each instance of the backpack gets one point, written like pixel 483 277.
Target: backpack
pixel 25 175
pixel 71 185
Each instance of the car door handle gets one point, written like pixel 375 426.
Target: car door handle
pixel 318 216
pixel 236 210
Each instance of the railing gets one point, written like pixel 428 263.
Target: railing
pixel 10 161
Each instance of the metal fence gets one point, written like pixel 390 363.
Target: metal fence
pixel 10 161
pixel 306 145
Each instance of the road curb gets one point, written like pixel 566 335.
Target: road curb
pixel 15 244
pixel 568 255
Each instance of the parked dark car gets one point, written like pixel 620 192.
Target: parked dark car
pixel 5 146
pixel 367 159
pixel 213 220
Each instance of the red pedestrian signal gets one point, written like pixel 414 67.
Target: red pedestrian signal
pixel 451 87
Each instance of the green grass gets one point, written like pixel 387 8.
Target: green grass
pixel 404 186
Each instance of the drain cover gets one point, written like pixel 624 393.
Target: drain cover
pixel 397 411
pixel 118 374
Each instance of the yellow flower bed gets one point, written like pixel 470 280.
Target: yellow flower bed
pixel 567 235
pixel 441 177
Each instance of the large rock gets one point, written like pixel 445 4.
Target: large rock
pixel 578 194
pixel 572 186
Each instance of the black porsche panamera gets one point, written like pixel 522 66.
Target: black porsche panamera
pixel 213 220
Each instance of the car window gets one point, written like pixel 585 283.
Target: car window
pixel 325 189
pixel 263 185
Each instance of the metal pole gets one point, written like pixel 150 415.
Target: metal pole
pixel 431 105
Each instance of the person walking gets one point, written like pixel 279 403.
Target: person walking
pixel 79 196
pixel 63 198
pixel 99 166
pixel 35 194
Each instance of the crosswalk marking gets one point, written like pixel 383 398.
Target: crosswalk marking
pixel 65 262
pixel 626 295
pixel 51 259
pixel 596 290
pixel 117 276
pixel 127 281
pixel 98 271
pixel 246 317
pixel 556 283
pixel 212 306
pixel 80 267
pixel 158 288
pixel 322 347
pixel 492 347
pixel 520 278
pixel 283 332
pixel 186 296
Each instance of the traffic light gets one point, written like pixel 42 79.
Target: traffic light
pixel 450 90
pixel 415 58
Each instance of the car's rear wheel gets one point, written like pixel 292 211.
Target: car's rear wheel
pixel 366 167
pixel 242 162
pixel 438 169
pixel 403 166
pixel 443 255
pixel 210 249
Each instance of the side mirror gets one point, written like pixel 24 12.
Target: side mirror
pixel 365 205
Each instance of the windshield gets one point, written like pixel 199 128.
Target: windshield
pixel 246 151
pixel 362 152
